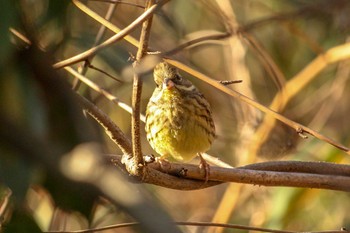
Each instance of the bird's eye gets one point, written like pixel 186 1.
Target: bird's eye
pixel 178 78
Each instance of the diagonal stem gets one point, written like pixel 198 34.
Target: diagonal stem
pixel 90 52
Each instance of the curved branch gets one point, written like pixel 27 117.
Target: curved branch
pixel 283 177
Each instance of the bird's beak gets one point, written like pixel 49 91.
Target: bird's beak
pixel 168 84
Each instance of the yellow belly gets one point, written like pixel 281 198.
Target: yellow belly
pixel 183 143
pixel 179 129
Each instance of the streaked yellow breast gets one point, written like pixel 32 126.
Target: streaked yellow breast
pixel 178 126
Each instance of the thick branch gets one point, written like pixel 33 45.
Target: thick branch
pixel 257 174
pixel 111 129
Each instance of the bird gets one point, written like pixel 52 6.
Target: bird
pixel 179 123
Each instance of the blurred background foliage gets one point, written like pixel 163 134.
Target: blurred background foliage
pixel 292 33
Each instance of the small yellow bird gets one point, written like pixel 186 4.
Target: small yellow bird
pixel 179 121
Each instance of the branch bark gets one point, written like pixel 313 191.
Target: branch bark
pixel 131 27
pixel 135 165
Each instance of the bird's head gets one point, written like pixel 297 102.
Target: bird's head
pixel 167 77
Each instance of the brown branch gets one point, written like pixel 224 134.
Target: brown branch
pixel 111 129
pixel 103 21
pixel 117 136
pixel 135 166
pixel 186 44
pixel 204 224
pixel 306 178
pixel 102 91
pixel 187 223
pixel 151 176
pixel 99 36
pixel 131 27
pixel 286 16
pixel 335 54
pixel 4 206
pixel 281 173
pixel 302 167
pixel 103 72
pixel 121 2
pixel 267 61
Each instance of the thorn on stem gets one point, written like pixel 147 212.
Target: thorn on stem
pixel 154 53
pixel 301 133
pixel 229 82
pixel 131 58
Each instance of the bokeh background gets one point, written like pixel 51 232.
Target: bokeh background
pixel 271 42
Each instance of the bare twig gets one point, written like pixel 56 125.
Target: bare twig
pixel 121 2
pixel 283 16
pixel 104 21
pixel 218 36
pixel 20 36
pixel 229 82
pixel 335 54
pixel 270 66
pixel 135 166
pixel 101 32
pixel 293 86
pixel 100 90
pixel 103 72
pixel 4 206
pixel 324 168
pixel 82 56
pixel 204 224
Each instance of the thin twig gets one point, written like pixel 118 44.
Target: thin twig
pixel 188 223
pixel 282 17
pixel 337 53
pixel 104 72
pixel 180 223
pixel 4 206
pixel 121 2
pixel 186 44
pixel 271 67
pixel 324 168
pixel 103 92
pixel 20 36
pixel 84 55
pixel 229 82
pixel 99 36
pixel 104 22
